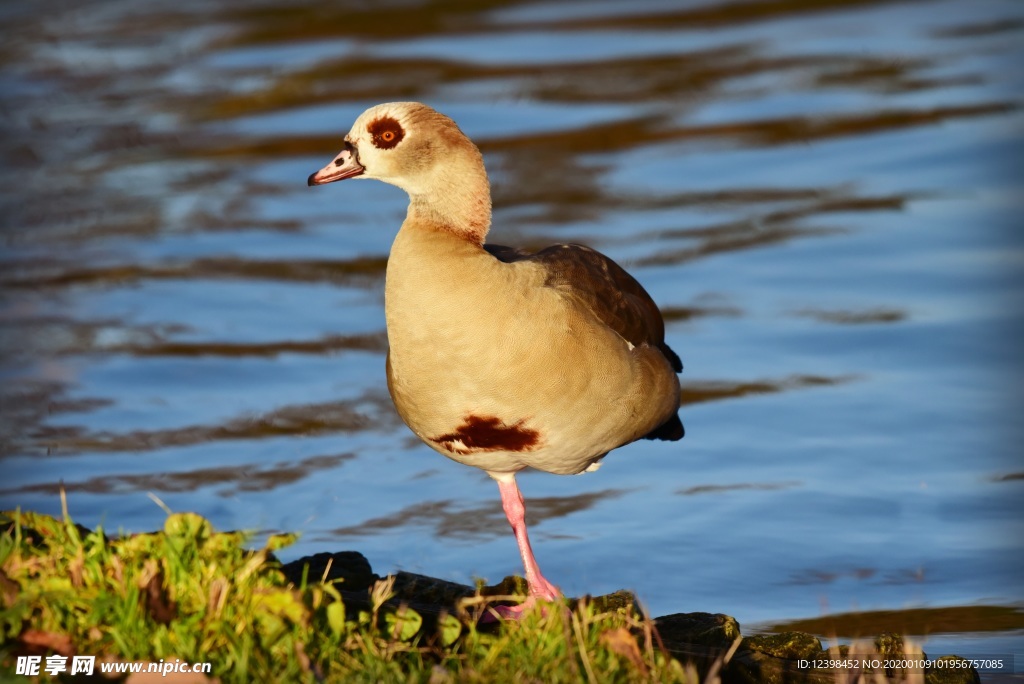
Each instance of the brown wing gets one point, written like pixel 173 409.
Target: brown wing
pixel 614 296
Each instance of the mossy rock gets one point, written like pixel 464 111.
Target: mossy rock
pixel 893 645
pixel 792 645
pixel 621 601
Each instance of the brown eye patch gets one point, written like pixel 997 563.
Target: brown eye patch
pixel 385 132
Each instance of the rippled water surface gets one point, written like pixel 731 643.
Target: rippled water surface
pixel 823 197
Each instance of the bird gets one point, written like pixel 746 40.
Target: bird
pixel 500 358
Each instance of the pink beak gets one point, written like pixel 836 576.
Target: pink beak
pixel 344 166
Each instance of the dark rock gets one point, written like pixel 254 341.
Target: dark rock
pixel 792 645
pixel 349 566
pixel 705 629
pixel 429 590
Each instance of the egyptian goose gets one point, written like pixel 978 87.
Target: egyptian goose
pixel 502 359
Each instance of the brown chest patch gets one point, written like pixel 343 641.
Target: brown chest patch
pixel 487 433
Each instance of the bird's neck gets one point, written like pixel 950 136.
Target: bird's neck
pixel 459 201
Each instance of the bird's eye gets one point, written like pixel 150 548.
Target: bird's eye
pixel 385 132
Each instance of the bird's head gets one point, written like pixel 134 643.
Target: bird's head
pixel 406 144
pixel 410 145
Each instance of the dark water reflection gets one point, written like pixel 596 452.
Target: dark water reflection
pixel 239 479
pixel 823 197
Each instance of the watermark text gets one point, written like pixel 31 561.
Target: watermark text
pixel 86 665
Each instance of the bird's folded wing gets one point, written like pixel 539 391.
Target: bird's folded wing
pixel 605 288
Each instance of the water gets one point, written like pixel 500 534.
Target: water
pixel 824 199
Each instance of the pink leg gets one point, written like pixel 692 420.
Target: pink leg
pixel 515 511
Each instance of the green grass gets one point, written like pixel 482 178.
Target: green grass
pixel 191 593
